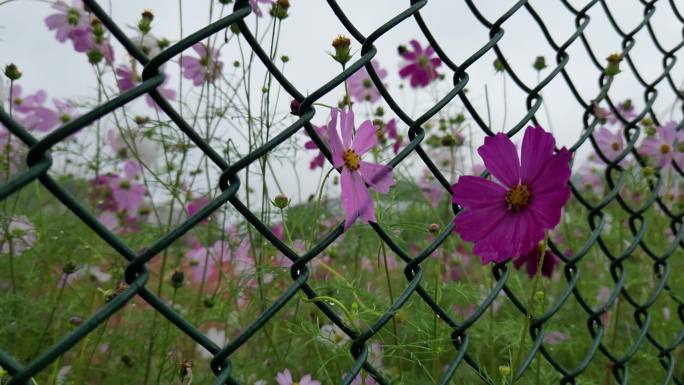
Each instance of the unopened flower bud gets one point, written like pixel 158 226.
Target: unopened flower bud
pixel 647 171
pixel 145 23
pixel 342 46
pixel 401 50
pixel 613 67
pixel 345 101
pixel 12 72
pixel 69 268
pixel 285 58
pixel 279 9
pixel 539 296
pixel 163 43
pixel 281 201
pixel 140 120
pixel 647 122
pixel 539 63
pixel 379 111
pixel 650 131
pixel 498 65
pixel 177 279
pixel 294 107
pixel 460 118
pixel 504 370
pixel 75 320
pixel 208 303
pixel 235 28
pixel 94 56
pixel 433 228
pixel 448 141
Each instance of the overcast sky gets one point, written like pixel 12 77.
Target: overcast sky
pixel 308 31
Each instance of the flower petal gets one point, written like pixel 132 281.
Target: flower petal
pixel 346 126
pixel 514 235
pixel 334 140
pixel 476 192
pixel 473 225
pixel 377 176
pixel 501 159
pixel 537 148
pixel 365 138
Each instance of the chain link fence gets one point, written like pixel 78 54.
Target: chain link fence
pixel 136 274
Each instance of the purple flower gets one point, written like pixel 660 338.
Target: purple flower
pixel 611 144
pixel 285 378
pixel 532 258
pixel 17 235
pixel 360 380
pixel 126 193
pixel 30 110
pixel 555 337
pixel 361 86
pixel 255 6
pixel 625 109
pixel 663 147
pixel 421 67
pixel 590 179
pixel 210 259
pixel 391 129
pixel 67 19
pixel 356 173
pixel 432 189
pixel 319 160
pixel 205 68
pixel 507 218
pixel 127 79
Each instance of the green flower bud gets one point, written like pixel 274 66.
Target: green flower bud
pixel 498 65
pixel 279 9
pixel 12 72
pixel 177 279
pixel 613 67
pixel 281 201
pixel 342 46
pixel 504 370
pixel 539 63
pixel 145 23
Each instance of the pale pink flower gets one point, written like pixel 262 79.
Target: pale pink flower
pixel 205 68
pixel 361 86
pixel 285 378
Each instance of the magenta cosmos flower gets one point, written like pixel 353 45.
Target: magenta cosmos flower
pixel 507 218
pixel 356 173
pixel 205 68
pixel 126 78
pixel 255 6
pixel 663 147
pixel 361 86
pixel 67 19
pixel 610 143
pixel 285 378
pixel 532 259
pixel 319 160
pixel 420 66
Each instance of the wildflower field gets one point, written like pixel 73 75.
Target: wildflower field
pixel 197 193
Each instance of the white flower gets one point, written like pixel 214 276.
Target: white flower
pixel 62 374
pixel 333 335
pixel 216 336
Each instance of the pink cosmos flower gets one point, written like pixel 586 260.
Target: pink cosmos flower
pixel 285 378
pixel 421 67
pixel 356 173
pixel 196 204
pixel 361 86
pixel 205 68
pixel 67 19
pixel 319 160
pixel 127 194
pixel 31 112
pixel 625 109
pixel 590 180
pixel 663 147
pixel 212 259
pixel 17 236
pixel 255 6
pixel 92 271
pixel 507 218
pixel 532 258
pixel 431 188
pixel 391 130
pixel 127 79
pixel 611 144
pixel 555 337
pixel 361 380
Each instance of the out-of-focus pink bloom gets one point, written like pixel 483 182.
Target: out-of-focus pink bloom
pixel 205 68
pixel 625 109
pixel 285 378
pixel 206 262
pixel 346 154
pixel 611 144
pixel 217 336
pixel 127 194
pixel 507 219
pixel 67 19
pixel 196 204
pixel 319 160
pixel 555 337
pixel 17 235
pixel 92 271
pixel 66 110
pixel 432 189
pixel 420 66
pixel 531 260
pixel 590 180
pixel 662 147
pixel 391 129
pixel 126 79
pixel 361 380
pixel 332 334
pixel 361 86
pixel 255 6
pixel 278 230
pixel 31 113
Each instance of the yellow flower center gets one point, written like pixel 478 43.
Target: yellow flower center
pixel 665 148
pixel 615 146
pixel 295 383
pixel 518 197
pixel 338 338
pixel 351 159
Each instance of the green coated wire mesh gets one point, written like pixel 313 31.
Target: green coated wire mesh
pixel 136 275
